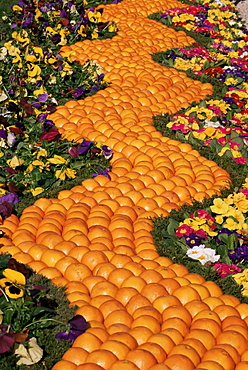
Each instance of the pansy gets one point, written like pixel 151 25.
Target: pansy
pixel 13 283
pixel 77 326
pixel 15 162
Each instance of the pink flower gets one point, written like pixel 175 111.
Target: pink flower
pixel 244 191
pixel 240 160
pixel 223 269
pixel 221 141
pixel 184 230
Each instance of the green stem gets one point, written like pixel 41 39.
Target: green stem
pixel 35 322
pixel 5 296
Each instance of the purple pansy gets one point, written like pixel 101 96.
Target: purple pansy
pixel 10 198
pixel 84 147
pixel 6 339
pixel 104 172
pixel 78 325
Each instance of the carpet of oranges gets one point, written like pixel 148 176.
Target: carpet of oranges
pixel 145 312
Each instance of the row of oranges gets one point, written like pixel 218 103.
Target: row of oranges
pixel 145 312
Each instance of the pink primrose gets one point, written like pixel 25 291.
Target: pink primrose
pixel 244 191
pixel 184 230
pixel 225 130
pixel 241 160
pixel 181 127
pixel 221 141
pixel 223 269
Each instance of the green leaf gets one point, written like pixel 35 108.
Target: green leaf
pixel 171 228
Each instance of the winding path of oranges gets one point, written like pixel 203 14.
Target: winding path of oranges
pixel 145 312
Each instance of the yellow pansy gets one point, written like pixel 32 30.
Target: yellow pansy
pixel 33 70
pixel 38 50
pixel 17 8
pixel 50 31
pixel 112 27
pixel 41 90
pixel 59 174
pixel 57 159
pixel 70 173
pixel 2 192
pixel 31 58
pixel 41 153
pixel 15 162
pixel 94 17
pixel 36 191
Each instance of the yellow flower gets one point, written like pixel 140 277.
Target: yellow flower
pixel 38 50
pixel 219 206
pixel 82 30
pixel 70 173
pixel 13 283
pixel 94 34
pixel 223 151
pixel 68 55
pixel 112 27
pixel 21 37
pixel 31 58
pixel 16 8
pixel 41 153
pixel 2 191
pixel 41 90
pixel 241 277
pixel 59 174
pixel 244 185
pixel 57 159
pixel 36 191
pixel 231 224
pixel 219 219
pixel 94 17
pixel 50 31
pixel 15 162
pixel 33 70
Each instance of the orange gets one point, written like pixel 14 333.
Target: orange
pixel 161 303
pixel 148 310
pixel 231 350
pixel 153 291
pixel 119 349
pixel 103 269
pixel 194 307
pixel 137 301
pixel 141 358
pixel 93 258
pixel 119 316
pixel 212 302
pixel 124 295
pixel 177 311
pixel 186 294
pixel 179 362
pixel 186 350
pixel 150 276
pixel 87 341
pixel 89 366
pixel 75 355
pixel 104 288
pixel 147 321
pixel 234 338
pixel 174 334
pixel 141 334
pixel 213 288
pixel 204 336
pixel 196 344
pixel 48 272
pixel 162 340
pixel 233 320
pixel 125 338
pixel 230 300
pixel 207 324
pixel 134 282
pixel 123 365
pixel 64 364
pixel 119 275
pixel 37 265
pixel 156 350
pixel 117 328
pixel 210 365
pixel 77 272
pixel 242 309
pixel 90 313
pixel 101 357
pixel 221 356
pixel 176 323
pixel 225 310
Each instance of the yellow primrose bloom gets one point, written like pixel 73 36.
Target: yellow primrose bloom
pixel 15 162
pixel 219 206
pixel 219 219
pixel 199 135
pixel 241 277
pixel 236 153
pixel 231 224
pixel 231 81
pixel 36 191
pixel 57 159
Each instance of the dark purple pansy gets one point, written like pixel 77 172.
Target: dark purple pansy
pixel 43 97
pixel 51 135
pixel 104 172
pixel 84 147
pixel 78 325
pixel 73 151
pixel 79 92
pixel 6 339
pixel 107 151
pixel 3 134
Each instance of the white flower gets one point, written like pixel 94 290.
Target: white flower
pixel 28 356
pixel 10 139
pixel 202 254
pixel 3 53
pixel 2 96
pixel 209 123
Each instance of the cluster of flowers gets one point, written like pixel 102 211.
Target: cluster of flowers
pixel 221 123
pixel 25 310
pixel 218 234
pixel 34 79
